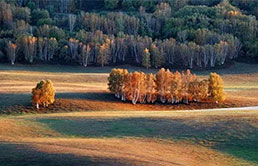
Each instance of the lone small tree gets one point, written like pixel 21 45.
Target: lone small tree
pixel 216 87
pixel 43 94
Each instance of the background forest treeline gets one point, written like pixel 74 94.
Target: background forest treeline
pixel 150 33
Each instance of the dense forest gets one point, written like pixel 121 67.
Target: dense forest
pixel 149 33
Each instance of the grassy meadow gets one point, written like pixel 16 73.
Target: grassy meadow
pixel 88 126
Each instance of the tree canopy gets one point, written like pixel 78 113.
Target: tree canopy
pixel 189 33
pixel 165 87
pixel 43 94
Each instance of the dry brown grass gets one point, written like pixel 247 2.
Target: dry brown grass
pixel 88 91
pixel 12 129
pixel 130 151
pixel 37 138
pixel 26 138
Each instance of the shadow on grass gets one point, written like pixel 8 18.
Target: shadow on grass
pixel 17 99
pixel 238 138
pixel 90 101
pixel 229 68
pixel 24 99
pixel 23 155
pixel 97 96
pixel 70 68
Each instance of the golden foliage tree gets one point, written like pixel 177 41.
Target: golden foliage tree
pixel 135 87
pixel 43 94
pixel 116 82
pixel 216 87
pixel 176 86
pixel 198 90
pixel 151 94
pixel 163 82
pixel 187 78
pixel 203 89
pixel 165 86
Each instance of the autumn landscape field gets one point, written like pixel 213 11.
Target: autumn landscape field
pixel 128 82
pixel 88 126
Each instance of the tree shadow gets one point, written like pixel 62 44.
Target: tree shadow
pixel 14 99
pixel 231 67
pixel 96 96
pixel 12 154
pixel 56 68
pixel 90 101
pixel 238 138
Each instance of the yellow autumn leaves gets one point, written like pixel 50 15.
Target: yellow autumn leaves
pixel 138 87
pixel 216 87
pixel 43 94
pixel 165 87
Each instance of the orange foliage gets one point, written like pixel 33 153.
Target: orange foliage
pixel 216 87
pixel 165 86
pixel 234 13
pixel 43 93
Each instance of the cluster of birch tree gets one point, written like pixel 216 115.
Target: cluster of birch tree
pixel 100 49
pixel 165 87
pixel 31 48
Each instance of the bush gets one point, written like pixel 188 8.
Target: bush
pixel 43 94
